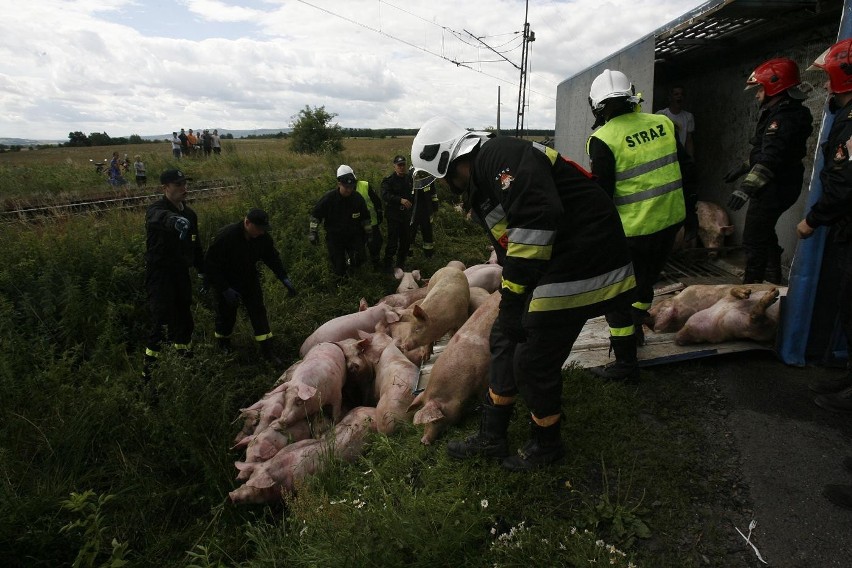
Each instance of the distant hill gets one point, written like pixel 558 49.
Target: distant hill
pixel 236 133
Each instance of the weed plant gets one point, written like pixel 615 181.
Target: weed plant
pixel 93 473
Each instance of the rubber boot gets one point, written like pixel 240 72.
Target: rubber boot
pixel 773 267
pixel 833 385
pixel 626 365
pixel 491 441
pixel 148 367
pixel 266 349
pixel 639 317
pixel 542 449
pixel 840 495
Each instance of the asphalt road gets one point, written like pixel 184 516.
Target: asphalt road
pixel 789 448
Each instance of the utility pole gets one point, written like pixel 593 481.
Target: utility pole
pixel 498 110
pixel 529 37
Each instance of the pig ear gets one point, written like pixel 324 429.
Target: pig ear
pixel 727 230
pixel 397 273
pixel 364 343
pixel 306 392
pixel 391 316
pixel 362 304
pixel 419 313
pixel 363 334
pixel 415 274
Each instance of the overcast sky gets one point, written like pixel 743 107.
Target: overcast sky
pixel 150 67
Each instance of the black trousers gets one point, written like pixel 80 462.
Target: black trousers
pixel 252 298
pixel 399 239
pixel 760 240
pixel 424 225
pixel 533 368
pixel 169 301
pixel 374 246
pixel 844 299
pixel 340 247
pixel 649 254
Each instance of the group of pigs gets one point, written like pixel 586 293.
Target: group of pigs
pixel 359 372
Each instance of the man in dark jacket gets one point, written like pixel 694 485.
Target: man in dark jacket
pixel 774 171
pixel 172 247
pixel 565 259
pixel 425 206
pixel 398 197
pixel 232 272
pixel 347 221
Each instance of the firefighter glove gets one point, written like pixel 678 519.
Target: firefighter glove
pixel 736 173
pixel 291 290
pixel 182 226
pixel 510 317
pixel 737 199
pixel 313 238
pixel 232 297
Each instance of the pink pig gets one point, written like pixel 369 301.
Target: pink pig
pixel 444 309
pixel 404 299
pixel 670 314
pixel 407 280
pixel 713 225
pixel 293 463
pixel 347 326
pixel 396 378
pixel 266 444
pixel 742 314
pixel 486 276
pixel 316 383
pixel 459 374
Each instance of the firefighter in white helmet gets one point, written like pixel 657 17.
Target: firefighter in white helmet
pixel 635 158
pixel 564 257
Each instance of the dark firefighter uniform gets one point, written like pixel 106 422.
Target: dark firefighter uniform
pixel 635 159
pixel 374 207
pixel 779 144
pixel 425 206
pixel 231 262
pixel 395 188
pixel 834 208
pixel 565 259
pixel 346 221
pixel 167 262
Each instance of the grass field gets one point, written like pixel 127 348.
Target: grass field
pixel 93 474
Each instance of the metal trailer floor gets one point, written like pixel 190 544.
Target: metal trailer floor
pixel 691 267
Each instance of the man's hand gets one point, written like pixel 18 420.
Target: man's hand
pixel 510 317
pixel 804 230
pixel 313 238
pixel 291 290
pixel 405 203
pixel 737 199
pixel 232 297
pixel 182 227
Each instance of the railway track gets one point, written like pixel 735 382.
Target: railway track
pixel 29 212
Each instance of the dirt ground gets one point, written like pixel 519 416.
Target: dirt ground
pixel 779 450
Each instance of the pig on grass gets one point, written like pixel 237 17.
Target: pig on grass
pixel 267 406
pixel 295 462
pixel 403 299
pixel 444 309
pixel 264 445
pixel 459 374
pixel 407 280
pixel 347 326
pixel 742 314
pixel 670 314
pixel 316 383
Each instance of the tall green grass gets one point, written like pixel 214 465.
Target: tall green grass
pixel 74 419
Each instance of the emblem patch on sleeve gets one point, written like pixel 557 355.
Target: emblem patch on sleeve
pixel 505 178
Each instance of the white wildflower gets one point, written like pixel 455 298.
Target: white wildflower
pixel 484 503
pixel 599 543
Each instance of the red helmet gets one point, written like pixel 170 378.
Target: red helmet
pixel 837 62
pixel 775 76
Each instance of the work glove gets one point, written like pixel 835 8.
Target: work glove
pixel 736 173
pixel 182 226
pixel 511 316
pixel 232 297
pixel 291 290
pixel 313 238
pixel 205 286
pixel 754 181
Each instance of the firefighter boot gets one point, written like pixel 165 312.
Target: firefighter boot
pixel 491 441
pixel 266 349
pixel 224 344
pixel 626 366
pixel 639 318
pixel 542 449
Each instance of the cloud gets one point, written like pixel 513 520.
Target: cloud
pixel 125 66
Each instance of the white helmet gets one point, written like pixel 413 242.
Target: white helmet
pixel 439 142
pixel 344 170
pixel 609 85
